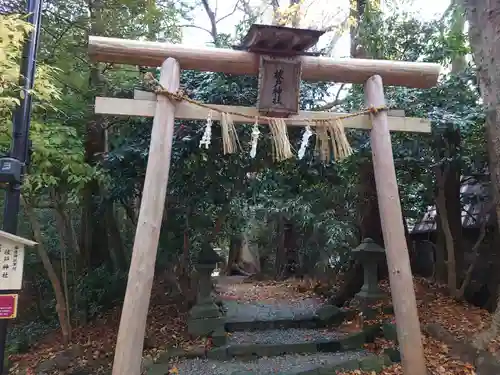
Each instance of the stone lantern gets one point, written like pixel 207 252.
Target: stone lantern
pixel 205 317
pixel 370 254
pixel 205 265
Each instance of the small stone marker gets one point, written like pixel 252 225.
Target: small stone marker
pixel 12 260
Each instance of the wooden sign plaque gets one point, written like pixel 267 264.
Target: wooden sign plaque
pixel 279 86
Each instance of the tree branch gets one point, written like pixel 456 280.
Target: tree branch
pixel 213 21
pixel 336 102
pixel 197 27
pixel 229 14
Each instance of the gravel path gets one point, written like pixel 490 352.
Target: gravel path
pixel 289 364
pixel 283 336
pixel 244 311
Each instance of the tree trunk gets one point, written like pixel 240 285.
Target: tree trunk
pixel 440 273
pixel 370 226
pixel 447 146
pixel 452 185
pixel 67 231
pixel 280 259
pixel 367 208
pixel 184 274
pixel 234 253
pixel 115 239
pixel 93 235
pixel 484 18
pixel 131 212
pixel 368 211
pixel 452 178
pixel 54 279
pixel 63 234
pixel 445 225
pixel 483 219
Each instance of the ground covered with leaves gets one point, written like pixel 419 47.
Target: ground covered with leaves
pixel 93 344
pixel 461 319
pixel 166 328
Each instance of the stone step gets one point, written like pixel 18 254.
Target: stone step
pixel 262 325
pixel 291 364
pixel 244 316
pixel 279 342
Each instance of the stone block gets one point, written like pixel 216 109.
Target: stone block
pixel 158 370
pixel 219 337
pixel 204 327
pixel 388 310
pixel 348 365
pixel 350 314
pixel 370 313
pixel 353 341
pixel 387 360
pixel 331 346
pixel 304 347
pixel 210 310
pixel 393 354
pixel 170 353
pixel 390 332
pixel 371 363
pixel 330 314
pixel 241 350
pixel 147 362
pixel 313 371
pixel 372 331
pixel 219 354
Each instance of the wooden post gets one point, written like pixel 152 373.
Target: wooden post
pixel 129 345
pixel 398 260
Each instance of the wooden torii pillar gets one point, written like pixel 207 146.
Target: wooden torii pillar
pixel 372 73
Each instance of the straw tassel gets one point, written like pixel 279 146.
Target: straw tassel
pixel 331 138
pixel 282 149
pixel 340 144
pixel 230 141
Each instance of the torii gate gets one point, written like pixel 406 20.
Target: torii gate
pixel 171 58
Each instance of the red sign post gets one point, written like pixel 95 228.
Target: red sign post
pixel 8 306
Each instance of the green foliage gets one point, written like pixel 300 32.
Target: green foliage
pixel 57 163
pixel 13 32
pixel 101 289
pixel 65 86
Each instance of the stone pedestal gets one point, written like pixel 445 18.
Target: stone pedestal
pixel 206 318
pixel 370 255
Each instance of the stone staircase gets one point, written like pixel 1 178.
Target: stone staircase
pixel 279 338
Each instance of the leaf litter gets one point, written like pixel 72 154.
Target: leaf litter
pixel 167 327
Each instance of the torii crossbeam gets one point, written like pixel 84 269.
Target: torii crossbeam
pixel 172 58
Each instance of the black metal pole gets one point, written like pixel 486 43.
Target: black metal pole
pixel 20 135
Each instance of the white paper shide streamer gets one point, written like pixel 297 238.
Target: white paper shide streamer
pixel 305 140
pixel 207 135
pixel 255 139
